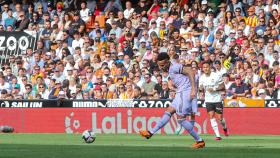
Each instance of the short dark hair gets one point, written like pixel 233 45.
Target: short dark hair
pixel 163 56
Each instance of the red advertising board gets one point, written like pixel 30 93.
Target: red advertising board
pixel 130 120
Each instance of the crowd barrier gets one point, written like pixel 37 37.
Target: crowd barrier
pixel 128 103
pixel 126 116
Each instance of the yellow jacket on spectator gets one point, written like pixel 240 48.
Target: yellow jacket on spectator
pixel 34 77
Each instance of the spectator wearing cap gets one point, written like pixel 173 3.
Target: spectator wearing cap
pixel 55 90
pixel 221 11
pixel 262 94
pixel 50 10
pixel 238 88
pixel 209 17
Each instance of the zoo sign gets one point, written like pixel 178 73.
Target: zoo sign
pixel 14 43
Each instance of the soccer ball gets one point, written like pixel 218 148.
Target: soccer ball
pixel 89 136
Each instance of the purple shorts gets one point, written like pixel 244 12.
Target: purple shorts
pixel 183 103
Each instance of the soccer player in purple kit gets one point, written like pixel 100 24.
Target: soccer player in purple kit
pixel 184 79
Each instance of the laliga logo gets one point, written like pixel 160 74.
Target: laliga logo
pixel 5 104
pixel 69 126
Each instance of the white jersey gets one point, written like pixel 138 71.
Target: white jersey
pixel 210 82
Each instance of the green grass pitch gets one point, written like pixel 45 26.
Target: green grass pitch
pixel 134 146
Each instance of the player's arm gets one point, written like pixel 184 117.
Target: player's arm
pixel 220 86
pixel 186 70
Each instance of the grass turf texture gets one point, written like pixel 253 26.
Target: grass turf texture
pixel 133 146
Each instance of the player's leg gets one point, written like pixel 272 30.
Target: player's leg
pixel 219 113
pixel 199 142
pixel 211 113
pixel 161 123
pixel 192 119
pixel 182 111
pixel 191 115
pixel 178 129
pixel 194 111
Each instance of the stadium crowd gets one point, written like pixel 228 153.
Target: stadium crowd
pixel 108 48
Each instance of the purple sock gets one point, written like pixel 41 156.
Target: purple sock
pixel 189 127
pixel 192 122
pixel 162 122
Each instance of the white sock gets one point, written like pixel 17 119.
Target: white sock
pixel 214 125
pixel 223 123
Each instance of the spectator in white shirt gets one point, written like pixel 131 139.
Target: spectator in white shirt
pixel 78 41
pixel 128 11
pixel 43 91
pixel 84 12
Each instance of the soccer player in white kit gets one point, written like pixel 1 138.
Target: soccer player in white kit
pixel 211 84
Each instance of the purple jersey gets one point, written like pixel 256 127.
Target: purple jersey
pixel 181 81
